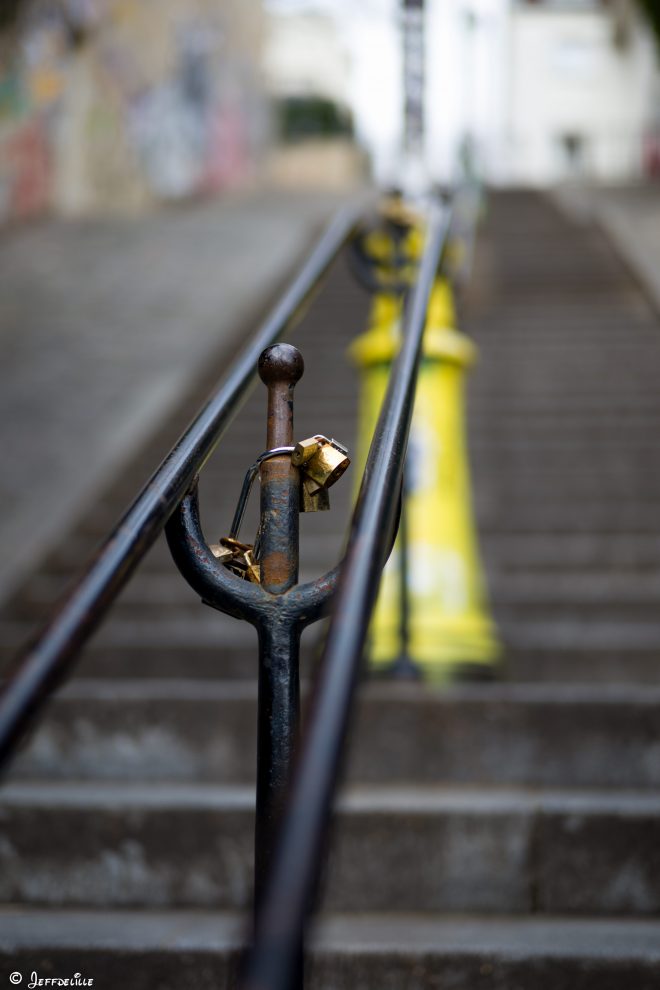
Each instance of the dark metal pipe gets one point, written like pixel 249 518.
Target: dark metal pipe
pixel 404 593
pixel 278 720
pixel 46 661
pixel 404 667
pixel 272 963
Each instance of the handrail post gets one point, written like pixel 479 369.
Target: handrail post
pixel 280 367
pixel 274 603
pixel 278 712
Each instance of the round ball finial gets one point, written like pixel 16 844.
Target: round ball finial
pixel 281 363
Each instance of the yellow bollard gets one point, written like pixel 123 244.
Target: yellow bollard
pixel 450 631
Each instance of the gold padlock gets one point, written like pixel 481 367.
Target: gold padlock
pixel 238 558
pixel 315 500
pixel 306 449
pixel 223 554
pixel 323 461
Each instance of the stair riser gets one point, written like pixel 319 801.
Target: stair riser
pixel 151 593
pixel 194 969
pixel 503 857
pixel 511 607
pixel 527 660
pixel 595 548
pixel 595 744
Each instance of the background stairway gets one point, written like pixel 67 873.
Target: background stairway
pixel 495 836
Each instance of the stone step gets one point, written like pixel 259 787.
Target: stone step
pixel 516 548
pixel 598 550
pixel 544 735
pixel 582 665
pixel 625 331
pixel 577 588
pixel 636 351
pixel 568 622
pixel 496 403
pixel 529 487
pixel 564 552
pixel 198 950
pixel 151 594
pixel 570 629
pixel 585 378
pixel 537 648
pixel 634 517
pixel 458 849
pixel 324 541
pixel 541 479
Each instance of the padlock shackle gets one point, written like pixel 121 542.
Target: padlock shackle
pixel 248 482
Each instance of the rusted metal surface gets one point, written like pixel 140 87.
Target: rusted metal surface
pixel 280 368
pixel 278 715
pixel 217 587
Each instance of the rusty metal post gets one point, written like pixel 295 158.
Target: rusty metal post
pixel 275 603
pixel 280 367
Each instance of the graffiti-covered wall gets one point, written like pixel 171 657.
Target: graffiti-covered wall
pixel 114 104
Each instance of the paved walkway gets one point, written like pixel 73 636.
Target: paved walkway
pixel 103 327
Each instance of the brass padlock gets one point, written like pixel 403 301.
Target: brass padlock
pixel 238 557
pixel 306 449
pixel 323 461
pixel 223 554
pixel 313 499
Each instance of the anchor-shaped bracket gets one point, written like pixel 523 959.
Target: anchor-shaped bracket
pixel 278 606
pixel 301 605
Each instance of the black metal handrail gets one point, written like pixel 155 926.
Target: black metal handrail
pixel 289 887
pixel 290 833
pixel 50 655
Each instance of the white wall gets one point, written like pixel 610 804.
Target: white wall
pixel 304 54
pixel 375 85
pixel 567 77
pixel 467 77
pixel 519 79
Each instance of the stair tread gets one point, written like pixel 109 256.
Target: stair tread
pixel 176 931
pixel 518 692
pixel 362 798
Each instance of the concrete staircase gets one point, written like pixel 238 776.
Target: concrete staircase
pixel 493 836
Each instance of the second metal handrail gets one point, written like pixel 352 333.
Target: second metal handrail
pixel 288 890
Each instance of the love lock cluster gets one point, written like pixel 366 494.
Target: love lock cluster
pixel 321 462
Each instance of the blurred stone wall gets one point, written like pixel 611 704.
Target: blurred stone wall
pixel 110 105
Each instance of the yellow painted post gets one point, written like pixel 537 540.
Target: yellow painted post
pixel 451 632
